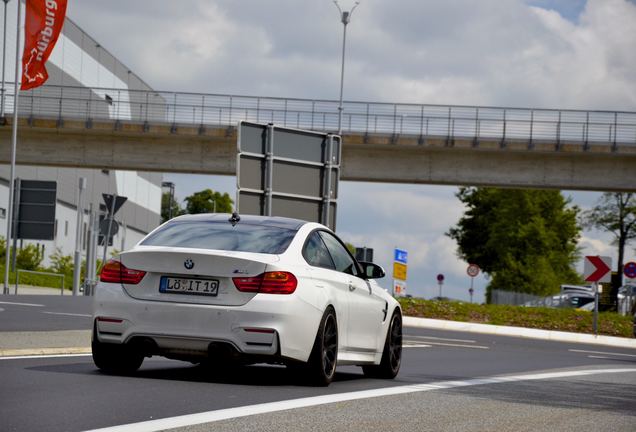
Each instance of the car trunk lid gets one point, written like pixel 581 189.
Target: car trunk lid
pixel 198 276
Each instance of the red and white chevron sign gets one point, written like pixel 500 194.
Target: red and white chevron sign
pixel 597 269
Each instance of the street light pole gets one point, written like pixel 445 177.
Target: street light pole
pixel 345 17
pixel 14 141
pixel 4 54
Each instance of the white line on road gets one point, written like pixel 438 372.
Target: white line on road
pixel 599 357
pixel 68 314
pixel 415 345
pixel 458 345
pixel 22 304
pixel 231 413
pixel 440 339
pixel 603 353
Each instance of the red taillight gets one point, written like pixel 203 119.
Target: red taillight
pixel 115 272
pixel 277 282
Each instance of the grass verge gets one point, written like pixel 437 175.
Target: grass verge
pixel 39 280
pixel 568 320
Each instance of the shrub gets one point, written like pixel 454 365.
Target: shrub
pixel 29 257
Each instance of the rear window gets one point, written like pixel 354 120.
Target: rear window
pixel 222 236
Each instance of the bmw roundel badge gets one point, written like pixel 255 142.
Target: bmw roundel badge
pixel 189 264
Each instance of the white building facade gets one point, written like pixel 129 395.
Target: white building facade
pixel 79 61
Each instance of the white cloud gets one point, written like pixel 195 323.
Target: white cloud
pixel 491 52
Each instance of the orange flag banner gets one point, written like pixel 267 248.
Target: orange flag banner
pixel 43 24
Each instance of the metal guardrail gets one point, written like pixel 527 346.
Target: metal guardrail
pixel 17 278
pixel 612 128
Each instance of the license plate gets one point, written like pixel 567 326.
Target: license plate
pixel 209 287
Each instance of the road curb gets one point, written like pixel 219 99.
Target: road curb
pixel 43 351
pixel 518 332
pixel 54 342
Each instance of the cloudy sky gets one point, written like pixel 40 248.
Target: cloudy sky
pixel 534 53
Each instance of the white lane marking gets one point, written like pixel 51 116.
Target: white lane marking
pixel 22 304
pixel 458 345
pixel 265 408
pixel 602 353
pixel 26 357
pixel 441 339
pixel 68 314
pixel 415 345
pixel 599 357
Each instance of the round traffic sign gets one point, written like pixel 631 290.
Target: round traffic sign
pixel 103 227
pixel 630 270
pixel 440 278
pixel 472 270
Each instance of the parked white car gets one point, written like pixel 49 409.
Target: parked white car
pixel 224 289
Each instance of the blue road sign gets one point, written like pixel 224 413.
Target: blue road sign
pixel 400 256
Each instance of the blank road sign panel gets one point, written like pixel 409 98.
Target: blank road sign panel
pixel 253 138
pixel 293 178
pixel 299 160
pixel 252 173
pixel 36 210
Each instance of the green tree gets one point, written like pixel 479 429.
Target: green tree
pixel 208 201
pixel 169 203
pixel 351 248
pixel 526 240
pixel 615 212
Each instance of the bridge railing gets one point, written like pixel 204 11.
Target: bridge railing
pixel 612 128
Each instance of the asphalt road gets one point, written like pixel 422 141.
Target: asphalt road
pixel 44 313
pixel 435 390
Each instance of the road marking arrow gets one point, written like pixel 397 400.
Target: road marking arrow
pixel 597 269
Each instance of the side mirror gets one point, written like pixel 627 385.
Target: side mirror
pixel 372 271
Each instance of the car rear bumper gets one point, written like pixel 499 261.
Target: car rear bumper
pixel 268 325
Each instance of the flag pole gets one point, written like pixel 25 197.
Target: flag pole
pixel 14 141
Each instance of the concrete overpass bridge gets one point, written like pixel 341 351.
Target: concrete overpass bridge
pixel 383 142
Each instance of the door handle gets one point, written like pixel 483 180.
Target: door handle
pixel 351 287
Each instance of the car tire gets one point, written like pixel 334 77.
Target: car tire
pixel 115 358
pixel 321 366
pixel 391 354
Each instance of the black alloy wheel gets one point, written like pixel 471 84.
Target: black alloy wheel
pixel 321 367
pixel 329 346
pixel 395 344
pixel 391 355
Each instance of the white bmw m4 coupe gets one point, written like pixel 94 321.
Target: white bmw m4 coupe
pixel 228 289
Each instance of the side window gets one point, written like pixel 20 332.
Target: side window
pixel 315 252
pixel 341 258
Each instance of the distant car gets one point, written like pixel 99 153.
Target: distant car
pixel 587 306
pixel 221 290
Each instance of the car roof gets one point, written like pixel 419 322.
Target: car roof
pixel 273 221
